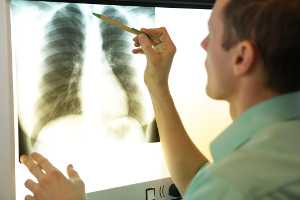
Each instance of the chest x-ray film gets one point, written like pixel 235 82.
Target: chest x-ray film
pixel 80 92
pixel 76 76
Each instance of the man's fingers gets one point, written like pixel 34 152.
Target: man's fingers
pixel 146 46
pixel 155 32
pixel 157 35
pixel 136 40
pixel 138 51
pixel 32 167
pixel 31 185
pixel 43 162
pixel 137 45
pixel 29 197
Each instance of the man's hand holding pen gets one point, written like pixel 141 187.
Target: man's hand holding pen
pixel 159 49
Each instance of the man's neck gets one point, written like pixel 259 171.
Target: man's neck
pixel 247 98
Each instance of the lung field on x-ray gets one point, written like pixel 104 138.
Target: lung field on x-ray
pixel 62 67
pixel 115 46
pixel 63 63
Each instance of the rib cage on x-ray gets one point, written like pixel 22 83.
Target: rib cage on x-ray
pixel 62 67
pixel 63 63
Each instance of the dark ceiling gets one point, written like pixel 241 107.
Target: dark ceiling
pixel 162 3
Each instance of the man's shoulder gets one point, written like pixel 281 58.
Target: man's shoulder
pixel 266 162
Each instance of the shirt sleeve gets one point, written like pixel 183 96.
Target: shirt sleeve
pixel 206 186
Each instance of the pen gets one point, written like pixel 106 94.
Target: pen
pixel 118 24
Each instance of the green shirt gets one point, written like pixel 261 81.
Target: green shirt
pixel 256 157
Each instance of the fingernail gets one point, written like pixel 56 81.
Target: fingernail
pixel 71 166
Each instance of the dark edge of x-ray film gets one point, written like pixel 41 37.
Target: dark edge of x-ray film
pixel 197 4
pixel 23 140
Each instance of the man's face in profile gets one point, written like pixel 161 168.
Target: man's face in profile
pixel 218 62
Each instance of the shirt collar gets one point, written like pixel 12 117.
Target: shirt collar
pixel 279 108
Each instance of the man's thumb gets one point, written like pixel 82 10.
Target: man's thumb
pixel 72 173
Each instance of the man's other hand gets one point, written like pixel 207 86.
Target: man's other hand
pixel 52 184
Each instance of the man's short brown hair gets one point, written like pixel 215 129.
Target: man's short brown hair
pixel 273 27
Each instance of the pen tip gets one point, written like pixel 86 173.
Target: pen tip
pixel 97 15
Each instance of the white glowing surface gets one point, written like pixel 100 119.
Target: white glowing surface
pixel 102 162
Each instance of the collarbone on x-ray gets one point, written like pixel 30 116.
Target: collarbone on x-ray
pixel 89 79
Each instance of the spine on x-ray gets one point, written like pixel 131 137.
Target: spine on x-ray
pixel 62 67
pixel 115 45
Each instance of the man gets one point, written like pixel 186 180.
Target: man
pixel 252 62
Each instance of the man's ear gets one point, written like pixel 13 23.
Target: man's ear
pixel 244 58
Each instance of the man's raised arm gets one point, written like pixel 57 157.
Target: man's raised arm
pixel 182 156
